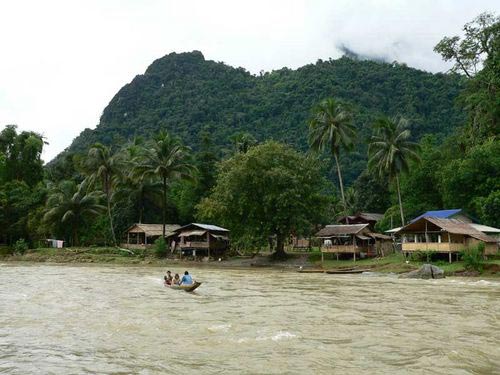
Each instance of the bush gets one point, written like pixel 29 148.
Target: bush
pixel 20 246
pixel 473 258
pixel 160 247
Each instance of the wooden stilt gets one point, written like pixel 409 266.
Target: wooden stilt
pixel 449 256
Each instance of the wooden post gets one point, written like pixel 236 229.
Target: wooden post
pixel 145 239
pixel 208 242
pixel 354 246
pixel 449 257
pixel 322 257
pixel 337 254
pixel 128 238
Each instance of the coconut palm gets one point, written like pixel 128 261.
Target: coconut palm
pixel 390 151
pixel 71 205
pixel 167 160
pixel 331 128
pixel 105 168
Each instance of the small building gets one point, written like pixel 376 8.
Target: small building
pixel 197 239
pixel 449 236
pixel 355 239
pixel 490 231
pixel 362 218
pixel 140 236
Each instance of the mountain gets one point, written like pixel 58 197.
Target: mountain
pixel 184 93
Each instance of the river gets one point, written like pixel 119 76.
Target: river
pixel 120 320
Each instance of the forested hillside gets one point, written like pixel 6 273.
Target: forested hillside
pixel 184 94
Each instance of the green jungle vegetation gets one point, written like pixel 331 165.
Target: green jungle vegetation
pixel 275 154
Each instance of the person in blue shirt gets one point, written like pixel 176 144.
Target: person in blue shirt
pixel 186 279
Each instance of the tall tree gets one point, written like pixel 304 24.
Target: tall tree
pixel 289 188
pixel 105 168
pixel 477 55
pixel 72 205
pixel 391 150
pixel 167 160
pixel 21 156
pixel 331 128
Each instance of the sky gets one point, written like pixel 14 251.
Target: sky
pixel 62 61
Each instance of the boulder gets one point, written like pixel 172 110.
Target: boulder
pixel 427 271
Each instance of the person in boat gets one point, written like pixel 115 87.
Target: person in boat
pixel 176 280
pixel 168 279
pixel 186 279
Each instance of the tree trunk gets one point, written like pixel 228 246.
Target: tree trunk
pixel 110 216
pixel 164 204
pixel 141 206
pixel 400 203
pixel 74 240
pixel 280 248
pixel 341 183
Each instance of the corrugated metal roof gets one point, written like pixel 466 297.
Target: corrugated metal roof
pixel 334 230
pixel 484 228
pixel 206 227
pixel 444 214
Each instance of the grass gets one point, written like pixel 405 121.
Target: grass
pixel 397 263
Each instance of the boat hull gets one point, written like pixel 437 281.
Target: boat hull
pixel 186 288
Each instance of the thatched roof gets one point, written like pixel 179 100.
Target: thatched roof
pixel 339 230
pixel 449 225
pixel 153 229
pixel 379 236
pixel 362 216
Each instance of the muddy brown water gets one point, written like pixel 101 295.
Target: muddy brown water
pixel 120 320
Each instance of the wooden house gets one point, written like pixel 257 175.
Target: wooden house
pixel 449 236
pixel 362 218
pixel 355 239
pixel 201 240
pixel 141 235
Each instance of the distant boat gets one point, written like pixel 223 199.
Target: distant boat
pixel 310 271
pixel 343 272
pixel 187 288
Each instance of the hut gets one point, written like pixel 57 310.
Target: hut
pixel 201 240
pixel 449 236
pixel 362 218
pixel 140 236
pixel 355 239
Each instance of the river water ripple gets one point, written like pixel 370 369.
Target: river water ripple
pixel 121 320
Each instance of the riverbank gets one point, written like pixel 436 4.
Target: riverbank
pixel 394 263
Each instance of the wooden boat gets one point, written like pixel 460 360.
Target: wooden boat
pixel 346 272
pixel 187 288
pixel 311 271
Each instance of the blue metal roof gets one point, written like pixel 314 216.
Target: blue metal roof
pixel 442 214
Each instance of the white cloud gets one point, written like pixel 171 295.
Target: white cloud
pixel 62 61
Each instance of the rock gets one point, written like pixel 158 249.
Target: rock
pixel 427 271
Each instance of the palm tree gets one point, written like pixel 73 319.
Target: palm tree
pixel 70 205
pixel 243 141
pixel 168 160
pixel 390 151
pixel 105 168
pixel 331 128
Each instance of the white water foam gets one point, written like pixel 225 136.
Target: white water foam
pixel 219 328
